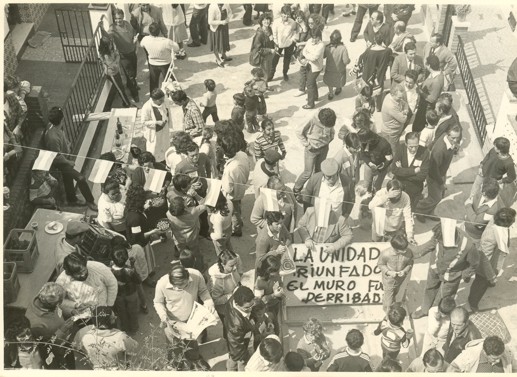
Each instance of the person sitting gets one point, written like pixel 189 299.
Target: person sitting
pixel 66 244
pixel 111 208
pixel 42 191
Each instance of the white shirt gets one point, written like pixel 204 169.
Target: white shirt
pixel 111 212
pixel 334 194
pixel 412 98
pixel 284 32
pixel 427 136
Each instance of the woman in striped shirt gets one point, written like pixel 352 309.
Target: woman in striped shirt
pixel 269 139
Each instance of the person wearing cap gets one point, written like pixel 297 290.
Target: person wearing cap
pixel 65 245
pixel 332 184
pixel 315 136
pixel 47 321
pixel 264 169
pixel 174 299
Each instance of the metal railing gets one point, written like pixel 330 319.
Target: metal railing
pixel 75 31
pixel 476 107
pixel 447 24
pixel 84 93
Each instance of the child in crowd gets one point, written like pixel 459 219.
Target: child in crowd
pixel 259 83
pixel 251 105
pixel 209 101
pixel 393 334
pixel 352 358
pixel 239 110
pixel 270 138
pixel 126 304
pixel 427 134
pixel 365 100
pixel 264 325
pixel 313 345
pixel 208 147
pixel 42 190
pixel 294 362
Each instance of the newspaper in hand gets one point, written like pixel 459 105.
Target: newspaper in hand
pixel 200 318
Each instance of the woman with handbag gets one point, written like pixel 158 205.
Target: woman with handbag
pixel 371 69
pixel 262 46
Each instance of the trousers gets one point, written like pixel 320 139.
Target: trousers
pixel 288 53
pixel 128 63
pixel 312 162
pixel 199 25
pixel 434 196
pixel 154 75
pixel 69 176
pixel 434 283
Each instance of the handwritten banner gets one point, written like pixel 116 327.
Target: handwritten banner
pixel 348 277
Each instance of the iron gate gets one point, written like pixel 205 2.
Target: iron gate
pixel 447 24
pixel 75 31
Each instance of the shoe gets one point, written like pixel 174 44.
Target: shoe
pixel 474 309
pixel 330 96
pixel 144 309
pixel 338 91
pixel 237 233
pixel 92 206
pixel 418 315
pixel 194 44
pixel 227 59
pixel 346 14
pixel 352 39
pixel 300 93
pixel 76 203
pixel 421 218
pixel 308 107
pixel 220 63
pixel 286 78
pixel 377 332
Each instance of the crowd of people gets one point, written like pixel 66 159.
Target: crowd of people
pixel 378 178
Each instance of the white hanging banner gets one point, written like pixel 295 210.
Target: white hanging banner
pixel 322 208
pixel 44 160
pixel 502 237
pixel 449 232
pixel 100 171
pixel 379 215
pixel 212 192
pixel 271 203
pixel 155 179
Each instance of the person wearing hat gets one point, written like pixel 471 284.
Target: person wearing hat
pixel 332 184
pixel 66 244
pixel 264 169
pixel 46 321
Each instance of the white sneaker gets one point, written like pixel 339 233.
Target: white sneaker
pixel 299 93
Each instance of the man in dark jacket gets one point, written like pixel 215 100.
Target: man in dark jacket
pixel 239 327
pixel 461 331
pixel 376 26
pixel 361 11
pixel 410 166
pixel 441 158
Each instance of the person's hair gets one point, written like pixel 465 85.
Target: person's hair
pixel 265 16
pixel 354 339
pixel 157 93
pixel 455 128
pixel 411 73
pixel 294 362
pixel 401 27
pixel 433 62
pixel 394 184
pixel 239 99
pixel 396 89
pixel 503 144
pixel 209 85
pixel 119 12
pixel 273 180
pixel 335 38
pixel 432 357
pixel 432 117
pixel 15 323
pixel 490 187
pixel 191 147
pixel 181 181
pixel 319 23
pixel 154 29
pixel 109 184
pixel 412 135
pixel 273 217
pixel 493 346
pixel 409 46
pixel 229 144
pixel 396 314
pixel 327 117
pixel 444 105
pixel 389 365
pixel 187 258
pixel 366 135
pixel 119 256
pixel 378 15
pixel 271 350
pixel 135 198
pixel 178 273
pixel 105 46
pixel 74 263
pixel 55 115
pixel 399 241
pixel 145 157
pixel 286 9
pixel 224 256
pixel 439 38
pixel 179 96
pixel 313 327
pixel 461 310
pixel 108 156
pixel 222 202
pixel 366 91
pixel 119 242
pixel 180 139
pixel 378 39
pixel 177 206
pixel 446 305
pixel 266 122
pixel 505 217
pixel 243 295
pixel 103 317
pixel 315 33
pixel 351 140
pixel 257 72
pixel 269 264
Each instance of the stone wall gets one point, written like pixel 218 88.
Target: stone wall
pixel 10 60
pixel 33 12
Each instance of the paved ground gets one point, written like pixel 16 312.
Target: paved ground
pixel 288 114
